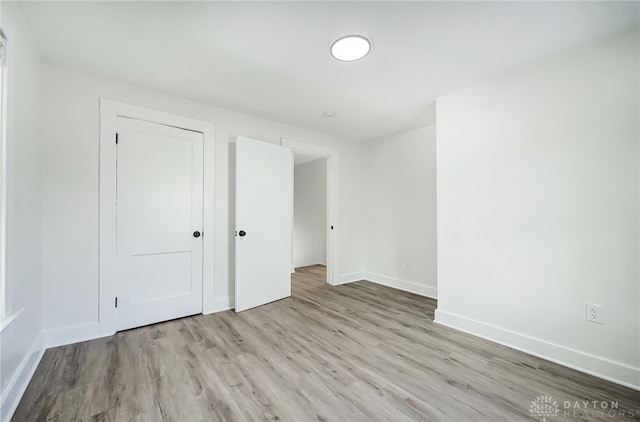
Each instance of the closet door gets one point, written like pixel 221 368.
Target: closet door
pixel 159 223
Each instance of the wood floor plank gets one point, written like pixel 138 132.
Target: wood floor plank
pixel 356 352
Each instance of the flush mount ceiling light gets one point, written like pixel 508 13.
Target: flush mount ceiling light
pixel 350 48
pixel 329 114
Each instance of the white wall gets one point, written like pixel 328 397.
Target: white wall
pixel 538 194
pixel 310 213
pixel 71 190
pixel 400 217
pixel 20 342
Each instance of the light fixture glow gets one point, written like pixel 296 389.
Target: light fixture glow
pixel 350 48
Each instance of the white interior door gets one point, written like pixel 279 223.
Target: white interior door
pixel 264 187
pixel 159 219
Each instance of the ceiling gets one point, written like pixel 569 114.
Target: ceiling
pixel 272 59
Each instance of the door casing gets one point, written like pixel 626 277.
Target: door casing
pixel 109 112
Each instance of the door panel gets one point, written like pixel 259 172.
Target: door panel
pixel 264 187
pixel 167 270
pixel 159 206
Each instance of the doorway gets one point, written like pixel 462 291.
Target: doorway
pixel 309 211
pixel 264 194
pixel 328 159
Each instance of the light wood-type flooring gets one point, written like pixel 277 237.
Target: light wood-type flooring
pixel 356 352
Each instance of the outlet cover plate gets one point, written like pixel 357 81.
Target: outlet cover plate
pixel 594 313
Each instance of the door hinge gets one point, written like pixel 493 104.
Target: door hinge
pixel 116 138
pixel 116 301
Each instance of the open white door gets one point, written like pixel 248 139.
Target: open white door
pixel 159 219
pixel 264 187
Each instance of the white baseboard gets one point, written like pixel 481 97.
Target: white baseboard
pixel 20 380
pixel 407 286
pixel 349 278
pixel 221 304
pixel 293 267
pixel 609 370
pixel 91 330
pixel 73 334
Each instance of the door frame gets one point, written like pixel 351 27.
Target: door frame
pixel 110 110
pixel 332 155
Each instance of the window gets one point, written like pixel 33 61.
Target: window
pixel 3 169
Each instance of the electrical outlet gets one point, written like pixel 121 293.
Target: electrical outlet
pixel 406 265
pixel 594 313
